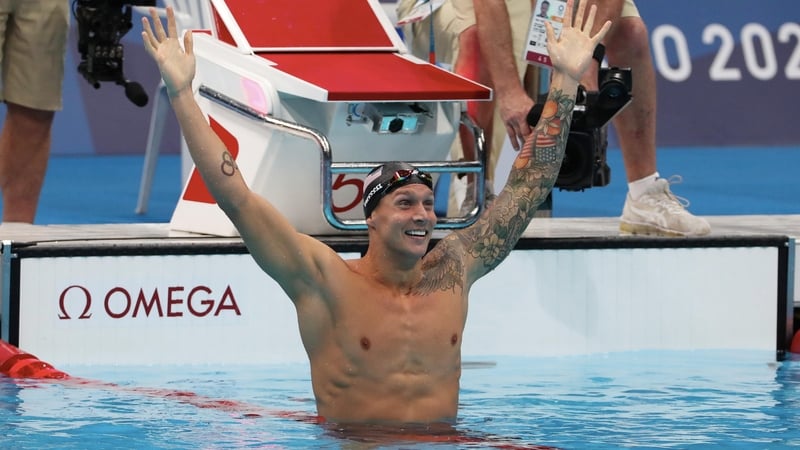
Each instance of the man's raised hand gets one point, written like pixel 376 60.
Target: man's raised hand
pixel 176 64
pixel 571 52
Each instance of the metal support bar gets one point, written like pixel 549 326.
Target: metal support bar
pixel 328 167
pixel 5 290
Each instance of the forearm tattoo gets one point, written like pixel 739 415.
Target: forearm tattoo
pixel 228 165
pixel 532 177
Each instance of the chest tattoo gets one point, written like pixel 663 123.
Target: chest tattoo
pixel 440 272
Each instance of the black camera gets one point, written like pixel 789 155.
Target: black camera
pixel 584 164
pixel 101 26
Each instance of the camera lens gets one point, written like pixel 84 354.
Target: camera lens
pixel 614 91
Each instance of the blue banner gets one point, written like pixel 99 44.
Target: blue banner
pixel 728 71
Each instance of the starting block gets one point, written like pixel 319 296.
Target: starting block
pixel 308 96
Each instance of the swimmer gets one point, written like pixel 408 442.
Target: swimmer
pixel 383 332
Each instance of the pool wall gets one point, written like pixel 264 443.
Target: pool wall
pixel 198 301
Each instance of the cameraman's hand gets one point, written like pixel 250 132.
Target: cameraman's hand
pixel 571 53
pixel 514 112
pixel 177 66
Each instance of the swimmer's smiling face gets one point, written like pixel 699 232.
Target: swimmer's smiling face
pixel 404 219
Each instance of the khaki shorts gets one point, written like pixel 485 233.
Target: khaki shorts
pixel 33 42
pixel 452 18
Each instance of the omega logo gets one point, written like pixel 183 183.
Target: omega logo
pixel 119 303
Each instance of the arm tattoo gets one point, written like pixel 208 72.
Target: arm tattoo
pixel 228 165
pixel 532 177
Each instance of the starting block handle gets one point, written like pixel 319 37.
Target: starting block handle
pixel 328 167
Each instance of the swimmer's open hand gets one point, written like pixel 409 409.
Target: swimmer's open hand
pixel 176 64
pixel 571 53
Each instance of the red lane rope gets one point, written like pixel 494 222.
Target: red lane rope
pixel 15 363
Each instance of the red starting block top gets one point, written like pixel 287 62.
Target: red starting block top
pixel 350 76
pixel 347 48
pixel 312 25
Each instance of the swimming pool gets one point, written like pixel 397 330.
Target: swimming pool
pixel 662 399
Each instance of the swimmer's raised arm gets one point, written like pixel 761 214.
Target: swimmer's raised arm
pixel 285 254
pixel 536 167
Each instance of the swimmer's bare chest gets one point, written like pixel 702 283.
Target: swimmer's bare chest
pixel 411 327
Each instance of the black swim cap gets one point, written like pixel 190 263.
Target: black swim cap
pixel 387 177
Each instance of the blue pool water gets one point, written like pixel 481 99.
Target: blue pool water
pixel 680 400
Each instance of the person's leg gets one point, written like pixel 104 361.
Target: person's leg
pixel 636 124
pixel 650 207
pixel 24 153
pixel 34 50
pixel 627 45
pixel 469 64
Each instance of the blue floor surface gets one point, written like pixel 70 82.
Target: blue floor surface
pixel 717 181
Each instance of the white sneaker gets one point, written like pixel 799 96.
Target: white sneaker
pixel 659 212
